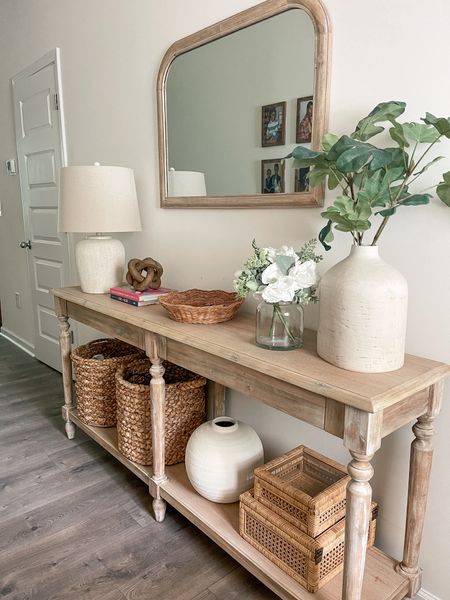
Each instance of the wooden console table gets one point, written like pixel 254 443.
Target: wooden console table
pixel 359 408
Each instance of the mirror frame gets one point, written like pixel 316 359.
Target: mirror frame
pixel 322 26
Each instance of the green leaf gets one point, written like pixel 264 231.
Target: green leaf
pixel 393 174
pixel 334 180
pixel 364 210
pixel 347 215
pixel 352 155
pixel 387 213
pixel 398 135
pixel 343 205
pixel 428 165
pixel 415 200
pixel 304 157
pixel 358 226
pixel 328 141
pixel 317 175
pixel 343 144
pixel 378 189
pixel 375 190
pixel 440 123
pixel 320 170
pixel 420 132
pixel 443 189
pixel 398 159
pixel 326 235
pixel 284 263
pixel 385 111
pixel 353 159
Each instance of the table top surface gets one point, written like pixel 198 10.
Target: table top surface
pixel 234 341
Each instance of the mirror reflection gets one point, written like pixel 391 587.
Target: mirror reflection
pixel 236 106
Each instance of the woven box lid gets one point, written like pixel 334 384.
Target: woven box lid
pixel 305 488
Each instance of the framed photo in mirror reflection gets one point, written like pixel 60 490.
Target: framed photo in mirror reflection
pixel 272 176
pixel 273 124
pixel 301 183
pixel 304 120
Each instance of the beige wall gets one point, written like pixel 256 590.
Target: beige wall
pixel 111 51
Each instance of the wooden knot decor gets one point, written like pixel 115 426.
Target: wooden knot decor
pixel 151 279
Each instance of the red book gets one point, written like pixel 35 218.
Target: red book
pixel 126 291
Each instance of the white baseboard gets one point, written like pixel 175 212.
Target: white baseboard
pixel 17 341
pixel 424 595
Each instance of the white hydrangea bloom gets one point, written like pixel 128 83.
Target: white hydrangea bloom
pixel 304 274
pixel 284 250
pixel 282 290
pixel 271 274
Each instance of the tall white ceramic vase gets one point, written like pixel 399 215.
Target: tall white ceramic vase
pixel 363 310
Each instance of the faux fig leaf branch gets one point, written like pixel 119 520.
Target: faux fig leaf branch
pixel 374 181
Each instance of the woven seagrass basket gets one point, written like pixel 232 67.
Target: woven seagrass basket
pixel 95 365
pixel 185 410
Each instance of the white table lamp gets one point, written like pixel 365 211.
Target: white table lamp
pixel 186 183
pixel 95 199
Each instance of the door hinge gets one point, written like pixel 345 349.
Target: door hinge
pixel 55 101
pixel 71 337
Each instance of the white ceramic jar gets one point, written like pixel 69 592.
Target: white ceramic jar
pixel 221 457
pixel 363 309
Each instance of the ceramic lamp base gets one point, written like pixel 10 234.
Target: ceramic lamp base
pixel 100 263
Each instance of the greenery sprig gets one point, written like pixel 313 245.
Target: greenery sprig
pixel 374 181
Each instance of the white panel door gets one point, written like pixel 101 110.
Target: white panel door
pixel 40 147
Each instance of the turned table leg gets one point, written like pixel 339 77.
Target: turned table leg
pixel 65 348
pixel 362 436
pixel 359 498
pixel 419 476
pixel 216 397
pixel 157 394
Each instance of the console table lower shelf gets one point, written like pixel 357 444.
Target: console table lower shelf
pixel 220 522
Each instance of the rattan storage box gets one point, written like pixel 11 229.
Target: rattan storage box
pixel 310 561
pixel 305 488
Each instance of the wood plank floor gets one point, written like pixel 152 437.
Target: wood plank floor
pixel 75 524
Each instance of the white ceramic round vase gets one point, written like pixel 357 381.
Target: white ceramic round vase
pixel 221 457
pixel 363 310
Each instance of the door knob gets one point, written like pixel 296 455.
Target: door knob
pixel 26 244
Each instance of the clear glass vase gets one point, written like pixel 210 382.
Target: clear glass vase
pixel 279 326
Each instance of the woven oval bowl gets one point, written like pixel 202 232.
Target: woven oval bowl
pixel 201 306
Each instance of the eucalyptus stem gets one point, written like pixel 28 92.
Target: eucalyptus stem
pixel 393 203
pixel 277 310
pixel 411 158
pixel 426 151
pixel 379 231
pixel 356 236
pixel 272 324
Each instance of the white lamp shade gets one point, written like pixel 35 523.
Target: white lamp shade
pixel 186 183
pixel 97 199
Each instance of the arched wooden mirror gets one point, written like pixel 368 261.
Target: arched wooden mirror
pixel 235 98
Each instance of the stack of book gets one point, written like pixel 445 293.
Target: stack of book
pixel 127 294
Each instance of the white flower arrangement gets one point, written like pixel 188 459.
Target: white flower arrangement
pixel 280 275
